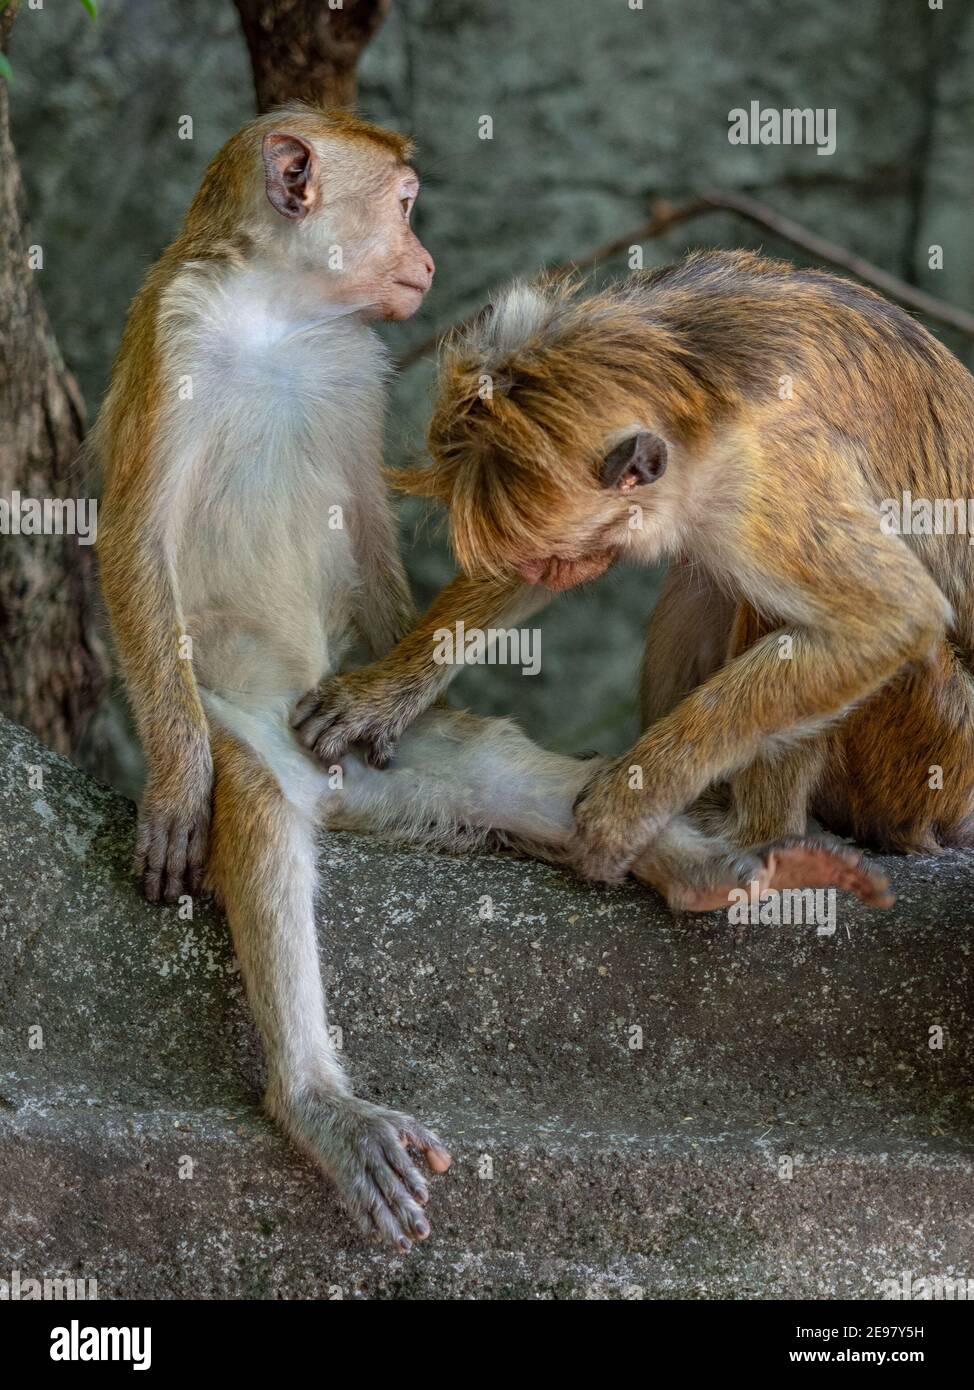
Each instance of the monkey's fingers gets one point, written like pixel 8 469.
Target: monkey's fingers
pixel 320 728
pixel 151 850
pixel 308 704
pixel 329 738
pixel 378 751
pixel 196 858
pixel 170 855
pixel 185 859
pixel 603 862
pixel 177 856
pixel 606 843
pixel 141 856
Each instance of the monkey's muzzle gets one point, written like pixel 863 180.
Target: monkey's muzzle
pixel 559 573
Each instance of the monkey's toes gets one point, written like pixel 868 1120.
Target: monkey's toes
pixel 811 864
pixel 424 1141
pixel 391 1192
pixel 365 1149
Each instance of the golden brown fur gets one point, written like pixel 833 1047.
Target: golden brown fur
pixel 792 403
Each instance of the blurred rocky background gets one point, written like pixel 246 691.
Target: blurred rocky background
pixel 598 108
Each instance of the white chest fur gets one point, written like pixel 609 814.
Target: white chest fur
pixel 273 422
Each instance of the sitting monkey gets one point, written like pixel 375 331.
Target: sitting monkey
pixel 755 424
pixel 246 545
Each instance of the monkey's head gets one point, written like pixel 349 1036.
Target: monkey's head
pixel 550 438
pixel 324 195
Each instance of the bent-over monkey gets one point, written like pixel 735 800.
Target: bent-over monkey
pixel 753 423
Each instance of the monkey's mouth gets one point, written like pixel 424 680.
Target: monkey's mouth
pixel 559 573
pixel 411 285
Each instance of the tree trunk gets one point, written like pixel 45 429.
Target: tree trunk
pixel 53 665
pixel 306 49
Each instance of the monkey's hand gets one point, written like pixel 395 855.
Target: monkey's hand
pixel 614 823
pixel 174 827
pixel 363 1149
pixel 366 707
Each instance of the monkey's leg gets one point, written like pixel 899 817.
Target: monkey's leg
pixel 695 629
pixel 770 798
pixel 686 640
pixel 455 778
pixel 455 775
pixel 262 865
pixel 900 773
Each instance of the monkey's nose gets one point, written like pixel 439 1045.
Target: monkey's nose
pixel 429 264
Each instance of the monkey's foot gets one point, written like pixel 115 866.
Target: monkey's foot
pixel 364 1150
pixel 793 863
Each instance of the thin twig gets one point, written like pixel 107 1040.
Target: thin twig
pixel 665 217
pixel 834 254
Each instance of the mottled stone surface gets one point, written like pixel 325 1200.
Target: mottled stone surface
pixel 501 1001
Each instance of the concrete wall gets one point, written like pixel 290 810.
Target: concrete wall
pixel 596 107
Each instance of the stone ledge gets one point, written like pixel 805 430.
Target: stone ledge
pixel 654 1170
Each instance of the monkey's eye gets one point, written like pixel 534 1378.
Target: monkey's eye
pixel 407 205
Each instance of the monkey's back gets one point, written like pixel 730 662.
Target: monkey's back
pixel 859 369
pixel 857 361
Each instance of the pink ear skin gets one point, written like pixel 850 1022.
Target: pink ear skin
pixel 637 460
pixel 290 165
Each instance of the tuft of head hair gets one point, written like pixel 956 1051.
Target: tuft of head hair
pixel 527 395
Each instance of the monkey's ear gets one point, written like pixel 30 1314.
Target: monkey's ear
pixel 289 174
pixel 639 459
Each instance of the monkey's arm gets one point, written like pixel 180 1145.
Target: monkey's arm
pixel 855 607
pixel 150 636
pixel 385 611
pixel 373 706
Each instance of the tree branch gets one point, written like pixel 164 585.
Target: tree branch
pixel 665 217
pixel 304 49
